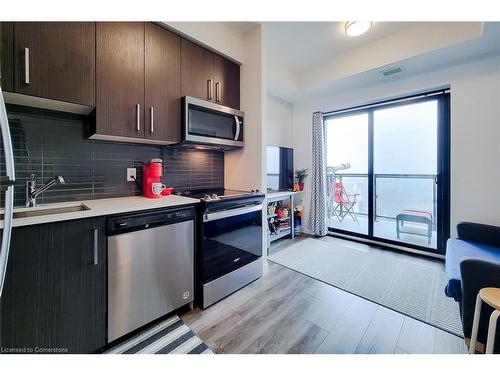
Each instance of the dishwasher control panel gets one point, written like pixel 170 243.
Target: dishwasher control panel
pixel 144 220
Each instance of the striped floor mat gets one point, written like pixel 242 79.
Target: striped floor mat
pixel 171 336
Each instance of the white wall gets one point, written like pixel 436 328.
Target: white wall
pixel 475 131
pixel 214 35
pixel 278 125
pixel 244 168
pixel 281 81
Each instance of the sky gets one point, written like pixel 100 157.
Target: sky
pixel 405 140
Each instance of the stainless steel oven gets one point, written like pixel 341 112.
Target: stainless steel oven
pixel 231 247
pixel 210 124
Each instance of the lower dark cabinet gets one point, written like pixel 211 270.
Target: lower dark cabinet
pixel 54 298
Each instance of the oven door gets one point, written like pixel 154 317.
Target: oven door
pixel 212 124
pixel 230 239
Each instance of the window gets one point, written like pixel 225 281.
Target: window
pixel 387 171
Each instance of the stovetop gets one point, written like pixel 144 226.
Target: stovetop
pixel 209 195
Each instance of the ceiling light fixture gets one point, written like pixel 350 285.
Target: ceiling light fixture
pixel 356 28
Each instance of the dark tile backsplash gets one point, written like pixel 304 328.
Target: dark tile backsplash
pixel 50 143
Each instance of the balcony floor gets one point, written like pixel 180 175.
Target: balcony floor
pixel 385 228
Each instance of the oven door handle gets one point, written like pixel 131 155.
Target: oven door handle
pixel 230 213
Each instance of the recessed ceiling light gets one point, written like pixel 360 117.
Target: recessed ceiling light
pixel 356 28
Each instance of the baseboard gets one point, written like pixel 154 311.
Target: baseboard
pixel 383 244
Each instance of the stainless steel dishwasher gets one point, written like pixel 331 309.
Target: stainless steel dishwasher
pixel 150 267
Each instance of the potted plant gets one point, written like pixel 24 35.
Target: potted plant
pixel 301 174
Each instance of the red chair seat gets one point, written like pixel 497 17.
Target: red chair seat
pixel 340 200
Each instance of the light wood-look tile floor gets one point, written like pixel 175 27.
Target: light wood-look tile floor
pixel 288 312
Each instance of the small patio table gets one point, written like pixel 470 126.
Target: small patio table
pixel 415 216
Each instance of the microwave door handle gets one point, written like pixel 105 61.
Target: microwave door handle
pixel 238 127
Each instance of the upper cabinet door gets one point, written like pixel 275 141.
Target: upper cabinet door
pixel 227 82
pixel 198 65
pixel 120 79
pixel 208 76
pixel 55 60
pixel 162 85
pixel 6 56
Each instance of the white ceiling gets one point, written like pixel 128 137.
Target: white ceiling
pixel 304 58
pixel 302 45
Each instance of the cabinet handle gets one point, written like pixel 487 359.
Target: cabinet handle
pixel 217 91
pixel 138 116
pixel 26 65
pixel 209 89
pixel 96 246
pixel 152 114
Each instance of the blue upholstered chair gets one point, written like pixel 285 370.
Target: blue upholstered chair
pixel 472 263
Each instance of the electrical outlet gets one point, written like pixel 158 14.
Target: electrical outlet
pixel 131 174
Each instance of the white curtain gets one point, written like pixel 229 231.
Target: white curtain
pixel 317 216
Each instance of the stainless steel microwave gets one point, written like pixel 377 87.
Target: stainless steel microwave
pixel 210 124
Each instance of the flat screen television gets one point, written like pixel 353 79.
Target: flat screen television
pixel 279 168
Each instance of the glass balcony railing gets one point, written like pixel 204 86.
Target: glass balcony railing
pixel 393 193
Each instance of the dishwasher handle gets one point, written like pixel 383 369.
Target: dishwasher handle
pixel 140 221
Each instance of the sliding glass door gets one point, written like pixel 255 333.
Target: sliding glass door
pixel 388 168
pixel 404 173
pixel 347 168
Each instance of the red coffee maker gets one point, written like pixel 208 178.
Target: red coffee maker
pixel 151 180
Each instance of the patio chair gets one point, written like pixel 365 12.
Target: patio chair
pixel 343 205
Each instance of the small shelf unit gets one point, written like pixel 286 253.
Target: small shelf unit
pixel 280 196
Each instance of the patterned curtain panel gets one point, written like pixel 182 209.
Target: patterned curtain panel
pixel 317 217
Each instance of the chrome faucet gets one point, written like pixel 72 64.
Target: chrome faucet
pixel 32 192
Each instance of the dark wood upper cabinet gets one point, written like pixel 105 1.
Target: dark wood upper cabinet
pixel 208 76
pixel 162 84
pixel 6 56
pixel 133 73
pixel 55 60
pixel 120 79
pixel 198 68
pixel 55 291
pixel 138 83
pixel 227 82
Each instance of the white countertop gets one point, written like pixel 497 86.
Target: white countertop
pixel 99 207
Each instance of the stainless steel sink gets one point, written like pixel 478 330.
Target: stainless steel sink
pixel 48 211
